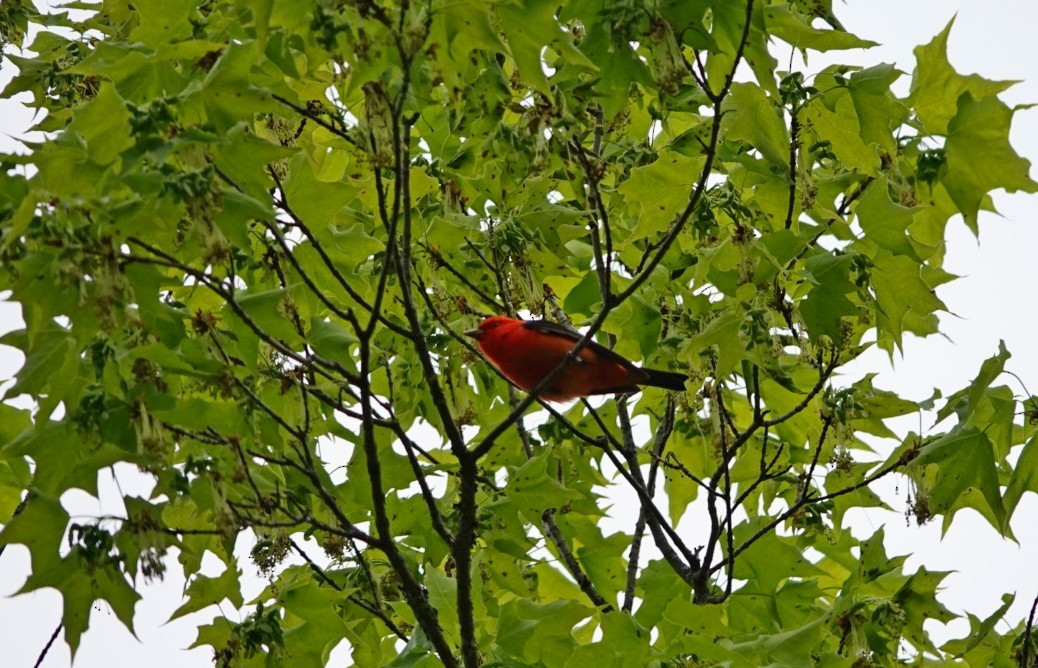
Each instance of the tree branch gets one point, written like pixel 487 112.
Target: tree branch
pixel 659 443
pixel 356 600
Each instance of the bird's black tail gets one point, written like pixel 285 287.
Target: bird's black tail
pixel 668 380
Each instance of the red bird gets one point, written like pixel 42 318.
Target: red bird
pixel 526 351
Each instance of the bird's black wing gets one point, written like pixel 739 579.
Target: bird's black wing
pixel 558 329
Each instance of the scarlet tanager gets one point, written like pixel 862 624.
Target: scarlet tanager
pixel 526 351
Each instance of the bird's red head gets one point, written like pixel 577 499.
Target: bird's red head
pixel 491 323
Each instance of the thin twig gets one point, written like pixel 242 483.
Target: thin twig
pixel 46 648
pixel 554 533
pixel 795 508
pixel 1027 641
pixel 483 296
pixel 323 577
pixel 213 285
pixel 328 263
pixel 665 536
pixel 306 113
pixel 663 432
pixel 794 147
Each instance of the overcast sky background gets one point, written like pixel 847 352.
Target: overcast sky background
pixel 996 299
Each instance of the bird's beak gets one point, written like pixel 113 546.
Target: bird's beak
pixel 474 333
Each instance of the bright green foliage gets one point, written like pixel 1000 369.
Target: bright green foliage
pixel 247 250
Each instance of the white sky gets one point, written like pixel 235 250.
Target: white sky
pixel 995 299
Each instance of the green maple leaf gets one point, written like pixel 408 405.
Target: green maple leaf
pixel 529 28
pixel 918 599
pixel 797 30
pixel 41 527
pixel 965 460
pixel 827 303
pixel 884 221
pixel 1024 477
pixel 901 293
pixel 878 109
pixel 937 87
pixel 533 632
pixel 659 191
pixel 750 115
pixel 980 157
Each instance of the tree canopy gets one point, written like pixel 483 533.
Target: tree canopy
pixel 255 231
